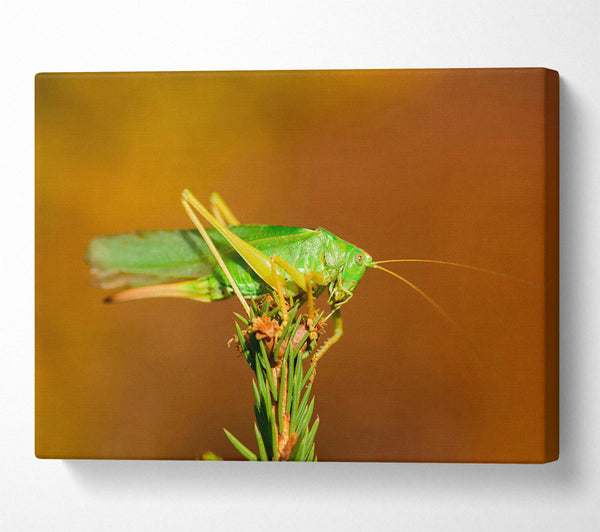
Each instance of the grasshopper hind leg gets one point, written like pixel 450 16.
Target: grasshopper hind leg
pixel 205 289
pixel 188 202
pixel 262 264
pixel 221 211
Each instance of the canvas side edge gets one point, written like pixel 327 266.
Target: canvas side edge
pixel 551 274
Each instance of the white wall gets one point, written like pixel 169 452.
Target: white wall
pixel 128 35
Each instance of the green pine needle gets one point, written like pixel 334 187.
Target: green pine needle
pixel 261 444
pixel 241 318
pixel 244 451
pixel 274 435
pixel 311 437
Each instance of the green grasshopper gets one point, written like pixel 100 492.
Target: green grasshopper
pixel 232 259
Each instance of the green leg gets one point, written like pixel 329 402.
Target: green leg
pixel 221 211
pixel 256 259
pixel 187 205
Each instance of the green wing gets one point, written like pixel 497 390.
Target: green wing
pixel 153 257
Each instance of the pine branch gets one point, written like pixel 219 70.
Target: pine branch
pixel 275 351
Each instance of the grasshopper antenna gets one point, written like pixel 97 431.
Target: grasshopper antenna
pixel 459 265
pixel 429 299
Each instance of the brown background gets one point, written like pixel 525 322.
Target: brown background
pixel 445 164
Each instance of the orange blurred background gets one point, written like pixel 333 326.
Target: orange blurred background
pixel 435 164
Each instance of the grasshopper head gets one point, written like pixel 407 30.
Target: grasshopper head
pixel 351 273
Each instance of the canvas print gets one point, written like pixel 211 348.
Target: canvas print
pixel 352 265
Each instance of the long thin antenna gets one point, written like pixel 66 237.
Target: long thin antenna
pixel 467 266
pixel 419 291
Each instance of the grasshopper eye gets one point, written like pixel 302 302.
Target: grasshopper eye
pixel 359 258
